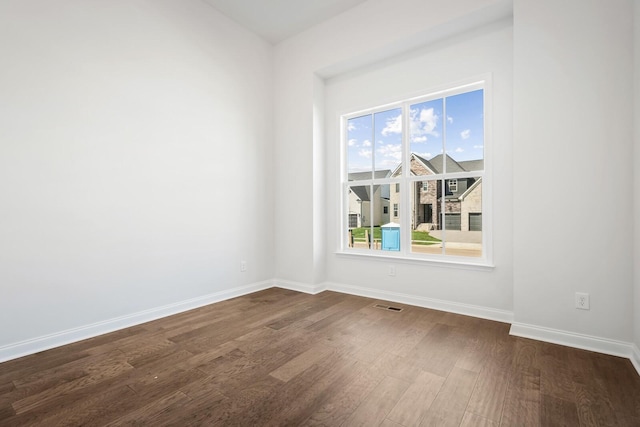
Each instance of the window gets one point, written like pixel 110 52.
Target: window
pixel 424 157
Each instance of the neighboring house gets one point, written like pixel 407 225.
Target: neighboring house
pixel 360 201
pixel 463 197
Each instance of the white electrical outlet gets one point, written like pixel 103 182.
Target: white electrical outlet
pixel 392 270
pixel 243 266
pixel 582 301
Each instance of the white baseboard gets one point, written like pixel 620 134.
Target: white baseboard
pixel 572 339
pixel 35 345
pixel 635 357
pixel 435 304
pixel 298 286
pixel 586 342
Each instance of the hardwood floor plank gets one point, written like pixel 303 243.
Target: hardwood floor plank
pixel 300 363
pixel 522 401
pixel 487 399
pixel 439 351
pixel 449 406
pixel 113 365
pixel 302 406
pixel 29 365
pixel 375 407
pixel 155 412
pixel 473 420
pixel 482 345
pixel 388 423
pixel 279 357
pixel 555 373
pixel 416 401
pixel 245 409
pixel 591 397
pixel 616 374
pixel 338 407
pixel 556 412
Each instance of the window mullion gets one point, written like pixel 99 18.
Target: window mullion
pixel 405 217
pixel 443 218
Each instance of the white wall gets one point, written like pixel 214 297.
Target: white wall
pixel 486 50
pixel 573 150
pixel 135 159
pixel 366 34
pixel 636 168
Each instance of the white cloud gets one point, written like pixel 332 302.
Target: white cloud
pixel 351 126
pixel 425 155
pixel 478 147
pixel 366 143
pixel 387 164
pixel 393 151
pixel 423 123
pixel 450 119
pixel 364 153
pixel 420 139
pixel 352 142
pixel 459 150
pixel 394 125
pixel 465 134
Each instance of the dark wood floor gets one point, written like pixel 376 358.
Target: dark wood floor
pixel 279 357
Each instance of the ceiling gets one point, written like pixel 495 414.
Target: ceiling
pixel 276 20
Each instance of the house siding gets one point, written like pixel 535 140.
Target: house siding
pixel 472 203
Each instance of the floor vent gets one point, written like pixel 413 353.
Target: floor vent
pixel 387 307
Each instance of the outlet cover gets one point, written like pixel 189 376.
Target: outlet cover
pixel 582 301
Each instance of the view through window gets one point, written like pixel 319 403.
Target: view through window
pixel 414 176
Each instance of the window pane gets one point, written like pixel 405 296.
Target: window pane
pixel 426 137
pixel 425 210
pixel 463 219
pixel 382 212
pixel 465 131
pixel 388 142
pixel 387 234
pixel 359 148
pixel 358 216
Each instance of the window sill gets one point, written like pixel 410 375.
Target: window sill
pixel 464 264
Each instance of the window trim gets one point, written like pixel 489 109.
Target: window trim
pixel 483 262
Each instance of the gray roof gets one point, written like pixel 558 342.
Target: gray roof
pixel 362 192
pixel 472 165
pixel 435 164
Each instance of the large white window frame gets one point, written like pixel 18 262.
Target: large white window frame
pixel 407 181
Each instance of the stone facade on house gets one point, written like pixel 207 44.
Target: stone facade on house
pixel 426 196
pixel 471 204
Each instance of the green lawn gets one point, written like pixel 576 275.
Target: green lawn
pixel 417 237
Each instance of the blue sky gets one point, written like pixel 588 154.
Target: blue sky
pixel 464 133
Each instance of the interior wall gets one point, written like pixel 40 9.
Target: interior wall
pixel 636 261
pixel 363 35
pixel 573 172
pixel 135 159
pixel 484 51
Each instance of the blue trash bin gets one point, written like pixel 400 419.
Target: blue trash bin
pixel 391 237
